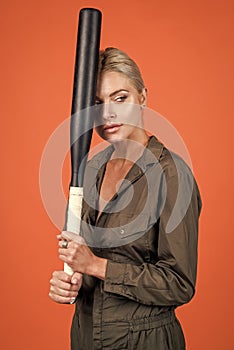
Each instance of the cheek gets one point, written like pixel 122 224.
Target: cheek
pixel 129 114
pixel 98 115
pixel 99 130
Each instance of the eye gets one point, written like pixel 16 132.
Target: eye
pixel 121 98
pixel 98 102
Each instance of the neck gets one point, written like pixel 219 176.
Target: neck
pixel 130 149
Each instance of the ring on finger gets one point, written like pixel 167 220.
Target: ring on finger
pixel 64 244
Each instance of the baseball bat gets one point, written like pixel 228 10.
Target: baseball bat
pixel 81 127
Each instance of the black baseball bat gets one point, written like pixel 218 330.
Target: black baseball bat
pixel 84 94
pixel 84 89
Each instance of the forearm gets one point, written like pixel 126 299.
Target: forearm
pixel 148 284
pixel 97 268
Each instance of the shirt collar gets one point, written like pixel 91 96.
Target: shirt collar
pixel 151 155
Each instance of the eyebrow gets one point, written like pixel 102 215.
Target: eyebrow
pixel 115 92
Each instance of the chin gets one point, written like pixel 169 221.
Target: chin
pixel 114 139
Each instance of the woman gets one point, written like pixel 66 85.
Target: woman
pixel 136 260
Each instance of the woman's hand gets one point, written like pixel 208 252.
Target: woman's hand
pixel 79 257
pixel 64 288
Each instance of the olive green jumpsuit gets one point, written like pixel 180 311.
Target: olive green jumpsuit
pixel 148 232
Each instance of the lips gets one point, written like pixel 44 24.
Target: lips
pixel 113 127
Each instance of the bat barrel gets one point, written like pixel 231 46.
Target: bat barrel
pixel 84 90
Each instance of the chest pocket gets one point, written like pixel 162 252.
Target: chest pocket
pixel 119 230
pixel 131 240
pixel 129 228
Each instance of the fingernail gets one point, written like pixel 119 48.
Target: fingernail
pixel 72 300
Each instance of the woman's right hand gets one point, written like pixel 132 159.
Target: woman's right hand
pixel 64 288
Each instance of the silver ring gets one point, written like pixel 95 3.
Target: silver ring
pixel 64 244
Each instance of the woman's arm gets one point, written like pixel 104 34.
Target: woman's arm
pixel 171 281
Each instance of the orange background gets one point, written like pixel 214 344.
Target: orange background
pixel 186 52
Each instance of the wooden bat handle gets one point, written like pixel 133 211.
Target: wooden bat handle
pixel 74 215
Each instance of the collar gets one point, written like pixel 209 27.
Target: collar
pixel 151 155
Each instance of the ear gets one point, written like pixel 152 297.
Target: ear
pixel 143 97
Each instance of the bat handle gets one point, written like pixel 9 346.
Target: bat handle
pixel 68 269
pixel 73 219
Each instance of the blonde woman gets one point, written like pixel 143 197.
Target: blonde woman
pixel 136 259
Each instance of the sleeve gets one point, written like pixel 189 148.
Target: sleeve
pixel 171 280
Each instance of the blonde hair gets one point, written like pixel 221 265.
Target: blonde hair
pixel 115 60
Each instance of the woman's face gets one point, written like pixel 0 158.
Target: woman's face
pixel 120 114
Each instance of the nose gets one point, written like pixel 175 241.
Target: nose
pixel 107 112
